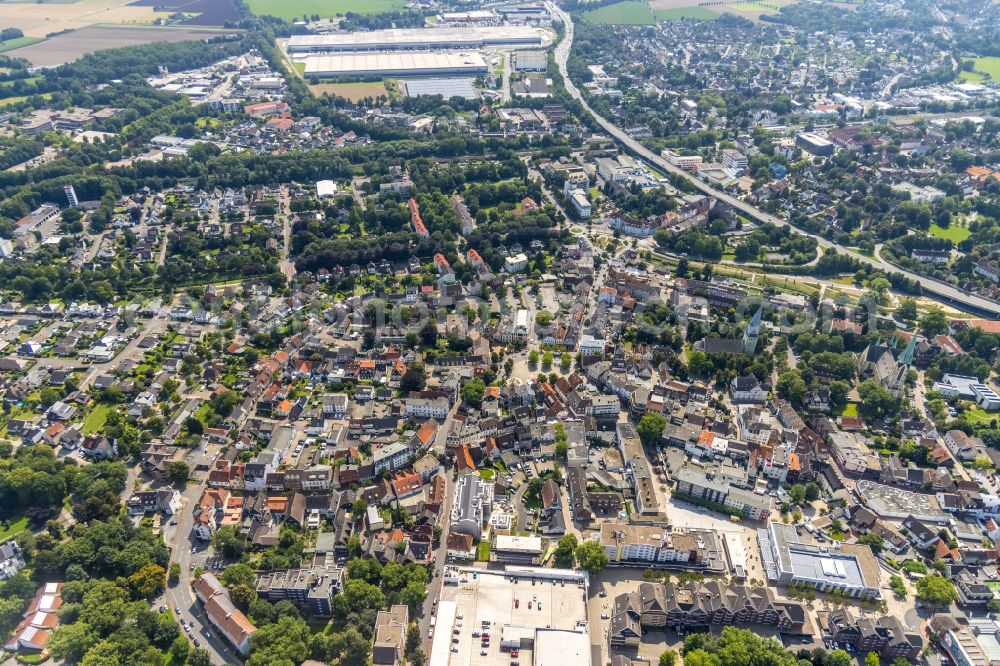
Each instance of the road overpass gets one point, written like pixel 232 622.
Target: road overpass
pixel 944 292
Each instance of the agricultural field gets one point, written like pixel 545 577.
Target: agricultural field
pixel 38 19
pixel 700 13
pixel 351 91
pixel 709 9
pixel 70 46
pixel 206 12
pixel 291 10
pixel 640 13
pixel 11 44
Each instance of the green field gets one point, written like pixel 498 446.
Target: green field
pixel 30 79
pixel 622 13
pixel 483 551
pixel 12 44
pixel 17 525
pixel 978 416
pixel 986 65
pixel 971 77
pixel 296 9
pixel 96 419
pixel 850 411
pixel 699 13
pixel 639 13
pixel 954 233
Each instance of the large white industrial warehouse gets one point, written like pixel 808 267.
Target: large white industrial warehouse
pixel 423 39
pixel 394 64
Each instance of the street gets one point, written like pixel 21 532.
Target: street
pixel 951 295
pixel 181 596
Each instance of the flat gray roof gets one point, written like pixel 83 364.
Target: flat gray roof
pixel 361 64
pixel 404 38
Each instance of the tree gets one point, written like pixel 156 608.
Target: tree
pixel 229 540
pixel 178 472
pixel 936 590
pixel 907 310
pixel 871 659
pixel 791 387
pixel 70 642
pixel 174 573
pixel 565 362
pixel 797 492
pixel 429 334
pixel 668 658
pixel 876 398
pixel 651 427
pixel 533 357
pixel 934 322
pixel 180 649
pixel 592 557
pixel 352 648
pixel 238 574
pixel 199 657
pixel 359 508
pixel 565 552
pixel 194 426
pixel 872 540
pixel 148 581
pixel 286 641
pixel 414 379
pixel 547 360
pixel 472 392
pixel 879 288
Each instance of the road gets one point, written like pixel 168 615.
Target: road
pixel 287 266
pixel 434 587
pixel 951 295
pixel 91 370
pixel 181 596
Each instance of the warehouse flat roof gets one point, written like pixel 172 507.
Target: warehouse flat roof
pixel 359 64
pixel 462 37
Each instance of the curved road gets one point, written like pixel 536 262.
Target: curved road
pixel 951 295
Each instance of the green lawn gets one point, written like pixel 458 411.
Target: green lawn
pixel 971 77
pixel 16 527
pixel 487 474
pixel 986 65
pixel 12 44
pixel 296 9
pixel 953 232
pixel 96 419
pixel 483 551
pixel 850 410
pixel 979 416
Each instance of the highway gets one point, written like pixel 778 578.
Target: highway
pixel 949 294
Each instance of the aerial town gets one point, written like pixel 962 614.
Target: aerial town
pixel 603 333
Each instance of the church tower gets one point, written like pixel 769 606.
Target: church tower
pixel 751 334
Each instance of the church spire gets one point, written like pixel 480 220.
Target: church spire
pixel 906 358
pixel 752 333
